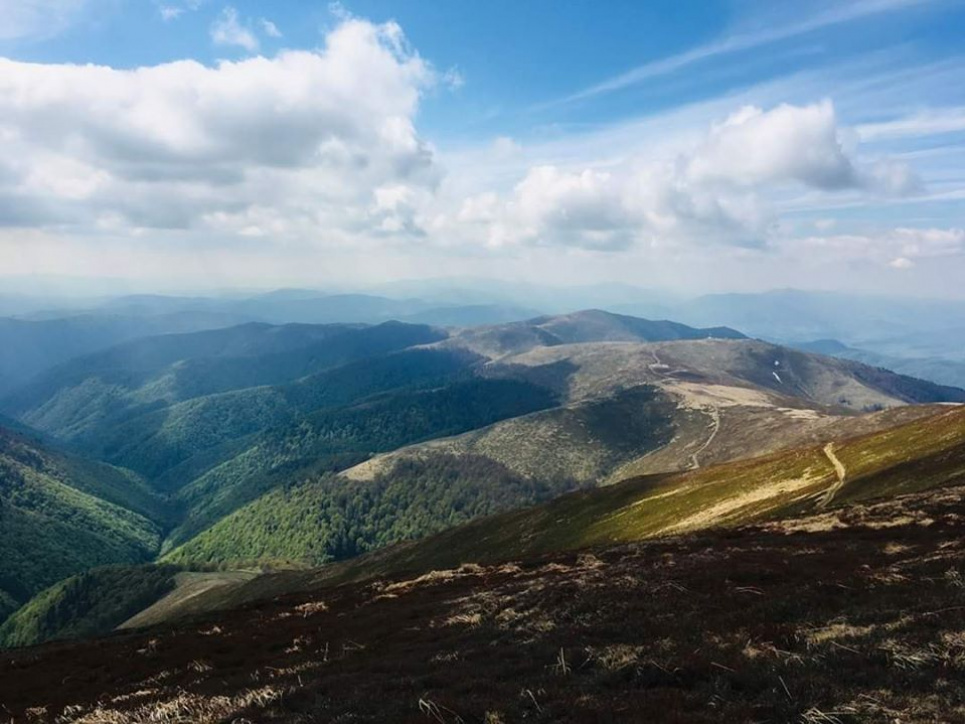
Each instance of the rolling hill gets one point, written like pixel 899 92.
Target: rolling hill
pixel 801 594
pixel 62 515
pixel 31 347
pixel 108 403
pixel 623 413
pixel 307 444
pixel 801 483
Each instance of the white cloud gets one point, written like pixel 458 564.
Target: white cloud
pixel 918 243
pixel 170 12
pixel 35 19
pixel 925 123
pixel 802 144
pixel 898 248
pixel 295 145
pixel 713 193
pixel 788 143
pixel 269 28
pixel 174 9
pixel 228 30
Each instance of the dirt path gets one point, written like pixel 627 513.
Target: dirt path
pixel 658 366
pixel 839 470
pixel 715 421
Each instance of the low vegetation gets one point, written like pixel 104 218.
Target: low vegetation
pixel 860 623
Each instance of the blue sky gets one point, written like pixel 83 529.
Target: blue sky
pixel 697 145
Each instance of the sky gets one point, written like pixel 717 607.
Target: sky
pixel 701 146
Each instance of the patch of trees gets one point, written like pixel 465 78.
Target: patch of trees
pixel 330 518
pixel 88 604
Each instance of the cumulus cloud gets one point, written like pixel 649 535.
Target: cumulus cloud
pixel 297 142
pixel 715 192
pixel 228 30
pixel 900 248
pixel 800 144
pixel 788 143
pixel 321 148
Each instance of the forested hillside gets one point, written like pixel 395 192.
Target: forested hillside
pixel 333 439
pixel 308 444
pixel 85 400
pixel 61 515
pixel 90 603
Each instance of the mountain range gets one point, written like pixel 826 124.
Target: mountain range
pixel 187 474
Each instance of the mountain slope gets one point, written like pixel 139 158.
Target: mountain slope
pixel 328 518
pixel 332 439
pixel 586 326
pixel 29 348
pixel 90 603
pixel 858 623
pixel 936 369
pixel 109 403
pixel 61 515
pixel 732 399
pixel 909 458
pixel 629 407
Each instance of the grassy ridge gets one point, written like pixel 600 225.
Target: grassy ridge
pixel 913 457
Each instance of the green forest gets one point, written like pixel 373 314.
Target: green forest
pixel 93 602
pixel 330 518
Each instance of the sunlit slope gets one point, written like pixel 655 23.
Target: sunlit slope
pixel 791 487
pixel 909 458
pixel 325 517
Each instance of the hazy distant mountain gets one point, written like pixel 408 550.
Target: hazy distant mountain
pixel 942 371
pixel 119 402
pixel 887 325
pixel 28 348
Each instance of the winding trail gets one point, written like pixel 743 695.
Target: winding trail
pixel 658 366
pixel 839 470
pixel 715 419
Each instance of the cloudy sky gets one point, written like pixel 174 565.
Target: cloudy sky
pixel 704 146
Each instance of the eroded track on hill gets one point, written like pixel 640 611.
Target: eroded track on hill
pixel 839 470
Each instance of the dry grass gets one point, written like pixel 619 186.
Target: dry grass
pixel 616 657
pixel 177 710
